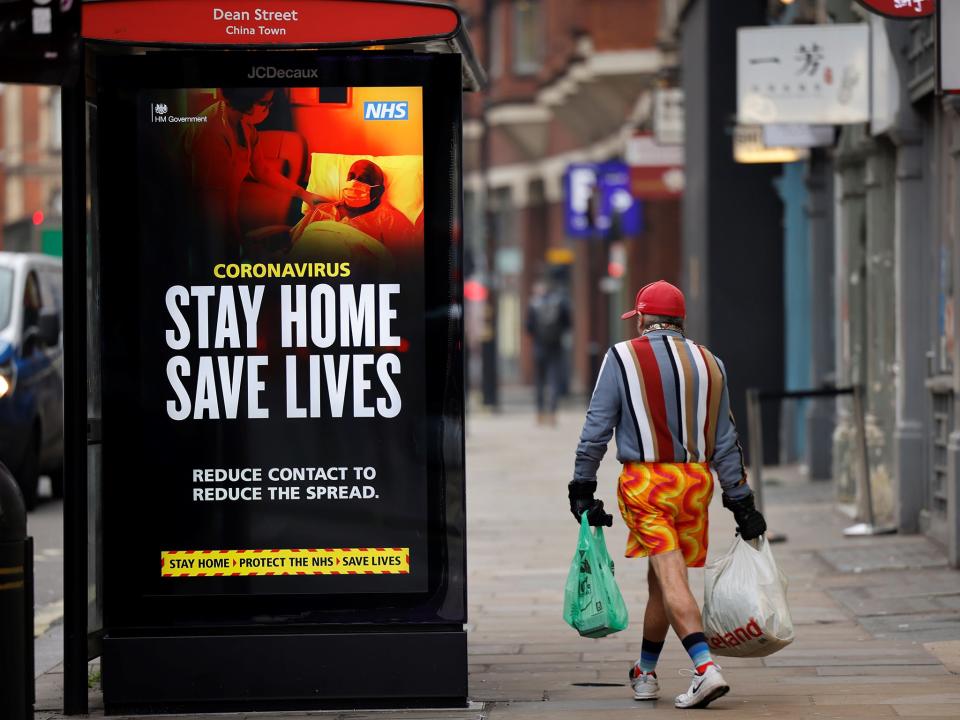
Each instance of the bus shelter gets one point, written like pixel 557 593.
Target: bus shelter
pixel 265 464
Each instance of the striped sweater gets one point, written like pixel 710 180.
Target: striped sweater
pixel 667 398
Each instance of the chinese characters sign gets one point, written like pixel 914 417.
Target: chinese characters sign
pixel 901 9
pixel 804 74
pixel 949 26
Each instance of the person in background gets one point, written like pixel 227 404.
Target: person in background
pixel 548 319
pixel 668 400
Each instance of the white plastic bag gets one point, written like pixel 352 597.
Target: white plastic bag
pixel 745 611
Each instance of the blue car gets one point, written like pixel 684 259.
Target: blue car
pixel 31 370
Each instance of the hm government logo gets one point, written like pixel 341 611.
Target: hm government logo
pixel 397 110
pixel 160 113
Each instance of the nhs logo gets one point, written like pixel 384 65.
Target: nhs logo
pixel 386 111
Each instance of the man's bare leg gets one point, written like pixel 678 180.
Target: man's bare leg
pixel 680 606
pixel 656 623
pixel 684 614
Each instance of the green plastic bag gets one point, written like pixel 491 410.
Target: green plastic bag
pixel 592 603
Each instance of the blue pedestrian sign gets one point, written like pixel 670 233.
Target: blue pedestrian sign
pixel 598 202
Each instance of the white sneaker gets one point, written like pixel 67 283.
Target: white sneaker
pixel 645 685
pixel 704 689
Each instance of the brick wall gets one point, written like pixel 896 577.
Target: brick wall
pixel 30 170
pixel 611 25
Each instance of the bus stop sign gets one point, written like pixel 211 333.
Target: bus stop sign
pixel 276 261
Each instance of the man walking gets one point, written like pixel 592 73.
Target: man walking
pixel 548 319
pixel 667 399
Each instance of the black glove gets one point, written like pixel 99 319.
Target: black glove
pixel 750 522
pixel 582 501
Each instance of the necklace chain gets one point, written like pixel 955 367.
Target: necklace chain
pixel 663 326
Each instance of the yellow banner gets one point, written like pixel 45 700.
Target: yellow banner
pixel 310 561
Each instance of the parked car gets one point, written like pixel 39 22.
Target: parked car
pixel 31 370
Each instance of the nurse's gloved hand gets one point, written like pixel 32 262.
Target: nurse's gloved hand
pixel 582 501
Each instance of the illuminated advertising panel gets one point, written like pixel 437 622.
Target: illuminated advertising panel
pixel 269 310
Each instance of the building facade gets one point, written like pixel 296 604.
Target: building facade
pixel 569 83
pixel 869 236
pixel 897 219
pixel 896 207
pixel 30 180
pixel 733 262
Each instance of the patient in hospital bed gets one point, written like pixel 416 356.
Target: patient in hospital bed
pixel 364 209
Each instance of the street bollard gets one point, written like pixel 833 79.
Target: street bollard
pixel 864 493
pixel 755 434
pixel 16 604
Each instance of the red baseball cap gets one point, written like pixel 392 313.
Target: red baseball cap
pixel 658 298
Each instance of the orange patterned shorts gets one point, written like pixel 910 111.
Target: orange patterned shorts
pixel 665 508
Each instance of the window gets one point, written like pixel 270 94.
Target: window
pixel 51 290
pixel 32 302
pixel 495 28
pixel 528 37
pixel 56 138
pixel 6 295
pixel 473 233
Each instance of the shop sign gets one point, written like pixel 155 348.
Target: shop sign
pixel 620 213
pixel 656 171
pixel 901 9
pixel 798 135
pixel 580 189
pixel 949 29
pixel 817 74
pixel 885 81
pixel 599 201
pixel 668 116
pixel 749 148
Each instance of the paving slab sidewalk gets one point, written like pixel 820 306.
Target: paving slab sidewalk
pixel 864 608
pixel 878 619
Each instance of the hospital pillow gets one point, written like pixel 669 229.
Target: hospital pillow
pixel 403 173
